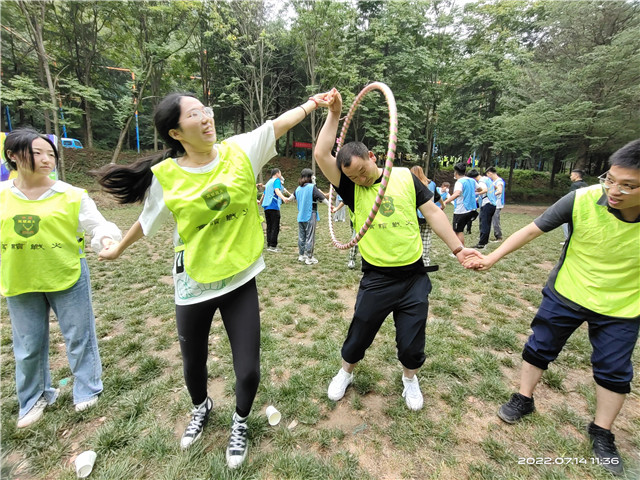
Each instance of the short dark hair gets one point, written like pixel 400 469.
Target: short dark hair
pixel 351 149
pixel 275 171
pixel 461 168
pixel 473 173
pixel 490 170
pixel 627 156
pixel 578 171
pixel 305 176
pixel 19 142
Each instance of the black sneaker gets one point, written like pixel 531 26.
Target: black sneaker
pixel 199 417
pixel 517 407
pixel 604 448
pixel 238 446
pixel 478 246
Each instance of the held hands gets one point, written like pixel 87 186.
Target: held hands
pixel 468 257
pixel 321 99
pixel 110 250
pixel 334 101
pixel 478 262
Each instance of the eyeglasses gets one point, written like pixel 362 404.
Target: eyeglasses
pixel 197 114
pixel 607 183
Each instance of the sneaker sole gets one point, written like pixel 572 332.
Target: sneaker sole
pixel 505 419
pixel 509 420
pixel 234 466
pixel 81 407
pixel 197 437
pixel 336 399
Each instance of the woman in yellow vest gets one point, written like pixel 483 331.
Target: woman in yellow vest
pixel 596 281
pixel 210 190
pixel 42 227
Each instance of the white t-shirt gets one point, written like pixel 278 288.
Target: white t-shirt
pixel 90 220
pixel 259 146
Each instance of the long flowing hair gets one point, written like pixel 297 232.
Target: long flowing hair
pixel 129 183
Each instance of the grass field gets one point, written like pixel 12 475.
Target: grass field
pixel 477 325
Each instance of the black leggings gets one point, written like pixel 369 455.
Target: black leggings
pixel 241 318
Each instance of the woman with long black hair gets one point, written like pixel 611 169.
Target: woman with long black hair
pixel 210 189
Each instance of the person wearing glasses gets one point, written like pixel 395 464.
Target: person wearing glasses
pixel 210 190
pixel 595 281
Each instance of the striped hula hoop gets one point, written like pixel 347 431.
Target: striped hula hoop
pixel 391 154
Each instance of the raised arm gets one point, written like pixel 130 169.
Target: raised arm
pixel 291 118
pixel 327 139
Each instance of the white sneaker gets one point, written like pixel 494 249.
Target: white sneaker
pixel 36 412
pixel 311 261
pixel 411 393
pixel 302 258
pixel 238 442
pixel 339 385
pixel 88 404
pixel 351 264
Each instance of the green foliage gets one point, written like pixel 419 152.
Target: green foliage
pixel 533 82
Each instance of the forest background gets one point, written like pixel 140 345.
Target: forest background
pixel 540 85
pixel 546 86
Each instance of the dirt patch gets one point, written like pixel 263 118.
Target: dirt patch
pixel 547 266
pixel 17 466
pixel 347 297
pixel 533 210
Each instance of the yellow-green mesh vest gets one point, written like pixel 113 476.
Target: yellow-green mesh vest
pixel 601 270
pixel 393 240
pixel 39 247
pixel 216 213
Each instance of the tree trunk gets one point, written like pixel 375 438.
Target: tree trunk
pixel 88 121
pixel 555 167
pixel 125 129
pixel 35 26
pixel 512 164
pixel 583 154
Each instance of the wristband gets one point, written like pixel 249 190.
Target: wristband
pixel 457 250
pixel 314 101
pixel 305 112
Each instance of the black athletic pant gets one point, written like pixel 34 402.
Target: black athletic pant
pixel 486 215
pixel 241 318
pixel 273 227
pixel 378 296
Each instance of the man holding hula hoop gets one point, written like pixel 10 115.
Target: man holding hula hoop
pixel 394 276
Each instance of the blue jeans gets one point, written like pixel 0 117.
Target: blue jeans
pixel 29 314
